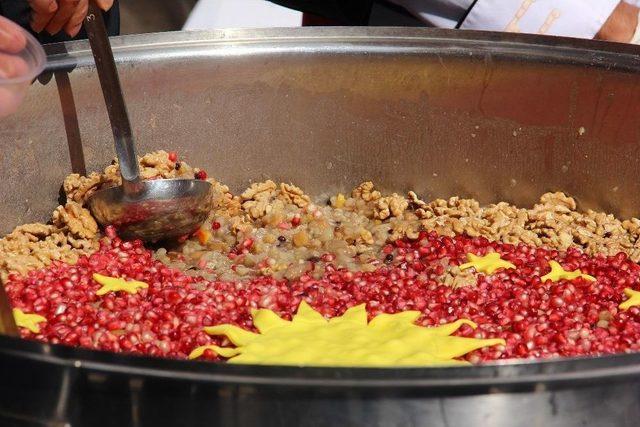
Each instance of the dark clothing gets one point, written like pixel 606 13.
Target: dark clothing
pixel 20 12
pixel 345 12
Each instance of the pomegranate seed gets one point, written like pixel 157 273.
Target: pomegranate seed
pixel 551 319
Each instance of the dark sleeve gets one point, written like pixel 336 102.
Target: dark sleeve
pixel 461 20
pixel 19 11
pixel 346 12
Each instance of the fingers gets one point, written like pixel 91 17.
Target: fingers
pixel 66 9
pixel 72 27
pixel 104 4
pixel 42 12
pixel 57 15
pixel 11 38
pixel 43 6
pixel 621 24
pixel 9 101
pixel 12 66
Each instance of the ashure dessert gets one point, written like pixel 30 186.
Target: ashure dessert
pixel 275 276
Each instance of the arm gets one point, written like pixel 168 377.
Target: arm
pixel 621 25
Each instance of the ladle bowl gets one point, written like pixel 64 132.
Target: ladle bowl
pixel 163 209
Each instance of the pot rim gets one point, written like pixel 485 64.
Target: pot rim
pixel 502 374
pixel 379 40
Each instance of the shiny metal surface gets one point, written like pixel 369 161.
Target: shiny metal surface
pixel 153 210
pixel 493 116
pixel 114 100
pixel 161 209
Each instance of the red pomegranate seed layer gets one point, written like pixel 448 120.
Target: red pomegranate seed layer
pixel 539 320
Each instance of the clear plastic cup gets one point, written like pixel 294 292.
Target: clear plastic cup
pixel 22 59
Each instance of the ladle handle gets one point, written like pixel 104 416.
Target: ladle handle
pixel 112 92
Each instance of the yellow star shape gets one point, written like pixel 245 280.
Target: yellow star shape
pixel 486 264
pixel 349 340
pixel 28 320
pixel 558 273
pixel 634 299
pixel 115 284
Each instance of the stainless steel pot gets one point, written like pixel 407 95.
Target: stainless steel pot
pixel 493 116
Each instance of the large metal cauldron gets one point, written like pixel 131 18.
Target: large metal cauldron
pixel 491 116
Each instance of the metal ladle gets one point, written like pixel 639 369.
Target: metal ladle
pixel 149 210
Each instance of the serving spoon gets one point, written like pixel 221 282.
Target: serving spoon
pixel 149 210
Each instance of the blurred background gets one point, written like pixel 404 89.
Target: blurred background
pixel 144 16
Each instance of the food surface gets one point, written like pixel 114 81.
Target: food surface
pixel 517 283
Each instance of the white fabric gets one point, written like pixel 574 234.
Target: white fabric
pixel 572 18
pixel 216 14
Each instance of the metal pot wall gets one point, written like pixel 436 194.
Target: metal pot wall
pixel 492 116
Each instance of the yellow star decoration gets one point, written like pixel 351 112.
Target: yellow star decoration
pixel 486 264
pixel 114 284
pixel 558 273
pixel 28 320
pixel 311 340
pixel 634 299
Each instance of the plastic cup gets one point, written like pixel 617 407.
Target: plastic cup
pixel 22 59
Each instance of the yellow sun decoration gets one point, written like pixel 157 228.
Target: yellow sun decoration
pixel 559 273
pixel 114 284
pixel 486 264
pixel 28 321
pixel 633 301
pixel 349 340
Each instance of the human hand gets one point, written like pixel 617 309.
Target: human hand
pixel 621 25
pixel 57 15
pixel 12 41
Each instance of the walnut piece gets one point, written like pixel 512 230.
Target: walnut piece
pixel 292 194
pixel 393 205
pixel 366 192
pixel 419 206
pixel 76 219
pixel 79 188
pixel 222 201
pixel 558 200
pixel 33 246
pixel 258 197
pixel 401 228
pixel 457 278
pixel 259 190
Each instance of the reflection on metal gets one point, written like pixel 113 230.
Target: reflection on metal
pixel 163 209
pixel 327 108
pixel 63 396
pixel 135 388
pixel 71 126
